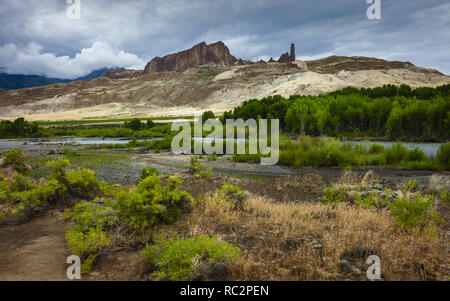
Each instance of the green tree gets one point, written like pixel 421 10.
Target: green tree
pixel 208 115
pixel 134 124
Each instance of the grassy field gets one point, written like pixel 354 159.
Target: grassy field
pixel 99 121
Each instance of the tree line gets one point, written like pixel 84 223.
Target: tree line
pixel 20 128
pixel 384 111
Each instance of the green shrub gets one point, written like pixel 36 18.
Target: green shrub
pixel 229 190
pixel 416 154
pixel 359 196
pixel 15 157
pixel 234 196
pixel 288 157
pixel 420 165
pixel 373 160
pixel 323 156
pixel 150 203
pixel 88 215
pixel 150 124
pixel 395 154
pixel 4 191
pixel 30 198
pixel 445 197
pixel 369 200
pixel 22 183
pixel 198 169
pixel 147 172
pixel 179 259
pixel 33 201
pixel 157 131
pixel 346 147
pixel 88 237
pixel 255 158
pixel 326 152
pixel 69 153
pixel 82 184
pixel 411 185
pixel 376 149
pixel 207 116
pixel 88 262
pixel 443 156
pixel 332 197
pixel 305 142
pixel 319 152
pixel 212 157
pixel 87 243
pixel 360 149
pixel 134 124
pixel 158 145
pixel 415 214
pixel 79 184
pixel 58 169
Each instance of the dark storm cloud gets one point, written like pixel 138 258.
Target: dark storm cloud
pixel 36 37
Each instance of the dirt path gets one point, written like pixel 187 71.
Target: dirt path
pixel 35 251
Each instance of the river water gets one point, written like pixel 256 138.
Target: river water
pixel 11 143
pixel 430 149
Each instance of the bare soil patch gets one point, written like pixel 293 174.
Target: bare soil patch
pixel 35 251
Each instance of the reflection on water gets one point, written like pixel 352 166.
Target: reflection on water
pixel 430 149
pixel 11 143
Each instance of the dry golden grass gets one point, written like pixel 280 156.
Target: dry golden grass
pixel 439 183
pixel 312 241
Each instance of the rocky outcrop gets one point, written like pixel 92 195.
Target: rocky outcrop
pixel 285 58
pixel 241 62
pixel 200 54
pixel 288 58
pixel 292 52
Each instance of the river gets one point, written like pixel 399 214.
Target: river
pixel 430 149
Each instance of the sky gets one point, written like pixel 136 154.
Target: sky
pixel 43 37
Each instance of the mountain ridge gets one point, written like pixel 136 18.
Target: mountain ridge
pixel 21 81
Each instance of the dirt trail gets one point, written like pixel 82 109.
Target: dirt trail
pixel 35 251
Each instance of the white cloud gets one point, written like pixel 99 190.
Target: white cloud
pixel 416 31
pixel 261 57
pixel 32 60
pixel 247 45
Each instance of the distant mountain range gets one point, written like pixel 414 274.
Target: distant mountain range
pixel 20 81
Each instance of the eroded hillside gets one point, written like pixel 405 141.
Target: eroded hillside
pixel 131 93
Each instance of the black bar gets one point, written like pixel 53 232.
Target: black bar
pixel 221 290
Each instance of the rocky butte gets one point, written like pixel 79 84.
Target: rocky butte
pixel 288 58
pixel 201 54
